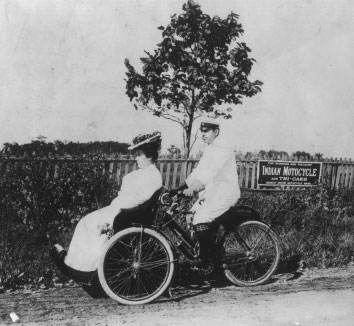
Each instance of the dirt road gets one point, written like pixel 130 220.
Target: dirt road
pixel 318 297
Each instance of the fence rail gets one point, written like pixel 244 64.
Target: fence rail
pixel 174 171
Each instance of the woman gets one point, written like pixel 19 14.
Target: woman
pixel 81 260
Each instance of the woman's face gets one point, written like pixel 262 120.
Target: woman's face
pixel 142 160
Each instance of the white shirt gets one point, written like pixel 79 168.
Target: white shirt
pixel 137 187
pixel 217 170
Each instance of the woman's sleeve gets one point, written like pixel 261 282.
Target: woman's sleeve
pixel 138 189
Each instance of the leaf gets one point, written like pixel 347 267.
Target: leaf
pixel 191 64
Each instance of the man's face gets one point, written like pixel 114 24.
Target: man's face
pixel 208 134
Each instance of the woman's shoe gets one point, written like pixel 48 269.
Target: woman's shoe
pixel 58 253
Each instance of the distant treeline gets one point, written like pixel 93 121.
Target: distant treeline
pixel 41 148
pixel 277 155
pixel 114 149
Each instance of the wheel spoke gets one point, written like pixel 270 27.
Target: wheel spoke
pixel 153 264
pixel 136 266
pixel 251 253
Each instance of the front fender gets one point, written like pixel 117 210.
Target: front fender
pixel 149 226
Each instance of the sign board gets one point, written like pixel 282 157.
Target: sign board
pixel 288 173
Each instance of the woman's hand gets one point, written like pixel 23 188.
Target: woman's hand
pixel 105 228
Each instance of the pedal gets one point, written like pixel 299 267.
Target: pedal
pixel 207 270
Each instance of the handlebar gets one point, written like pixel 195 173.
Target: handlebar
pixel 173 200
pixel 170 196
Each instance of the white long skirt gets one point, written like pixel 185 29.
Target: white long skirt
pixel 87 242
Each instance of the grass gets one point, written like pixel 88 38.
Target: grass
pixel 314 224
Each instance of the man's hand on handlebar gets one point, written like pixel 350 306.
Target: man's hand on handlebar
pixel 195 187
pixel 178 191
pixel 175 192
pixel 188 192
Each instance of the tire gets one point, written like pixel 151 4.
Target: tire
pixel 137 266
pixel 255 265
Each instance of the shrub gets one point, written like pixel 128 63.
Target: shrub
pixel 314 224
pixel 40 202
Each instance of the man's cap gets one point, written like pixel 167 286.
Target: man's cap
pixel 209 123
pixel 146 139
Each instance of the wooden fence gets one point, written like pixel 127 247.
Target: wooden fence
pixel 174 171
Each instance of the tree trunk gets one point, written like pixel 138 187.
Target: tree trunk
pixel 188 128
pixel 188 132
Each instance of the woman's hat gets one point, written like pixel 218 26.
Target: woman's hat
pixel 147 139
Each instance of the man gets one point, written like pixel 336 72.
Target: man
pixel 216 181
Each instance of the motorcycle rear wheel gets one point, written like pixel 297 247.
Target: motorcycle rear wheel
pixel 251 253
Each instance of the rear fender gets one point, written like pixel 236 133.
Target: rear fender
pixel 239 214
pixel 243 213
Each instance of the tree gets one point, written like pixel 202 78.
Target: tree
pixel 272 154
pixel 319 156
pixel 174 152
pixel 197 67
pixel 302 154
pixel 276 154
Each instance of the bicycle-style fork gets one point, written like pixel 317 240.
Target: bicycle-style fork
pixel 184 241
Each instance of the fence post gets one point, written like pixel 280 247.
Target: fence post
pixel 175 172
pixel 350 185
pixel 183 175
pixel 168 172
pixel 253 177
pixel 119 170
pixel 126 167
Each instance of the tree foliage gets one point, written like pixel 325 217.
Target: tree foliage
pixel 304 154
pixel 41 148
pixel 197 67
pixel 174 152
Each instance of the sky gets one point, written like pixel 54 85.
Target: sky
pixel 62 72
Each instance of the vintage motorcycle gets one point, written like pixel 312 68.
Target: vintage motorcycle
pixel 140 260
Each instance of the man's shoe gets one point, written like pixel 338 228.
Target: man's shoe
pixel 205 285
pixel 193 262
pixel 201 284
